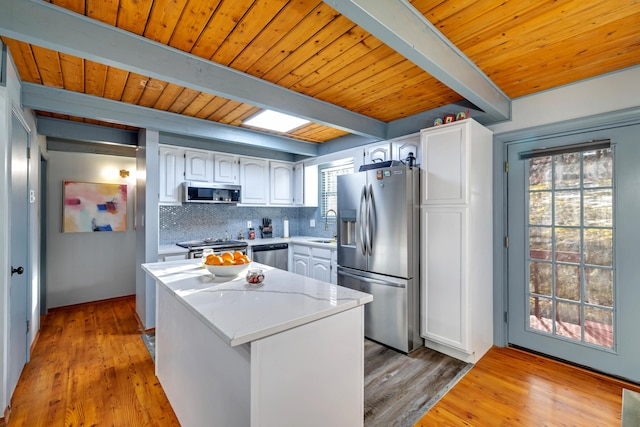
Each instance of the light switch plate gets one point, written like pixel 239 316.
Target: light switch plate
pixel 248 224
pixel 312 223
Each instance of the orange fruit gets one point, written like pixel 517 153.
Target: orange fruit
pixel 246 259
pixel 227 256
pixel 227 262
pixel 237 254
pixel 214 260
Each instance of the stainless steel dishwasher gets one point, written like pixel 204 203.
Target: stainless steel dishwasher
pixel 273 254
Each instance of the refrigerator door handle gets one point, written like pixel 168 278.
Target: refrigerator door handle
pixel 370 230
pixel 370 280
pixel 363 201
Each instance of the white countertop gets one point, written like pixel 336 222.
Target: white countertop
pixel 239 313
pixel 306 240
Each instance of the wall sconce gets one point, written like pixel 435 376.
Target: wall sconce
pixel 124 173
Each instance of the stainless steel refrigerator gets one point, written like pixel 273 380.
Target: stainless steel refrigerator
pixel 379 250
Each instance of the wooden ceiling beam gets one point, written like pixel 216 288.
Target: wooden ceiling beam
pixel 399 25
pixel 46 25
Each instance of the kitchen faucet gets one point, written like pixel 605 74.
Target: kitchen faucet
pixel 326 223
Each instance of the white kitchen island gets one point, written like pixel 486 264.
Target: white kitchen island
pixel 288 353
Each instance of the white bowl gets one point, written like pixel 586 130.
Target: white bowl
pixel 227 270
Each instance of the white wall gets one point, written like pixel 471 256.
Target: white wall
pixel 89 266
pixel 592 97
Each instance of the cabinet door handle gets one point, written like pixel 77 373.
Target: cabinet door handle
pixel 18 270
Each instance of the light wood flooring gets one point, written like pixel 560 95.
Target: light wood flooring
pixel 90 367
pixel 509 387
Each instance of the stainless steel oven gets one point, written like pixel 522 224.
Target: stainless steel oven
pixel 197 247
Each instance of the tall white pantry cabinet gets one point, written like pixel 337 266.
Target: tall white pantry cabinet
pixel 456 239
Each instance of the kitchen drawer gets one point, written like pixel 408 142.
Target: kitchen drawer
pixel 301 250
pixel 321 253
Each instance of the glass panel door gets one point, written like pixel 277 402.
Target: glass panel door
pixel 573 253
pixel 570 246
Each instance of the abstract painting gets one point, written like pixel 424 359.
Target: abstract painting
pixel 90 206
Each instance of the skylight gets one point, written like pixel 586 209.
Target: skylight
pixel 275 121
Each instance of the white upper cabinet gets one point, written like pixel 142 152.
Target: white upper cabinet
pixel 254 178
pixel 378 153
pixel 444 165
pixel 226 168
pixel 401 147
pixel 198 165
pixel 281 191
pixel 171 175
pixel 298 184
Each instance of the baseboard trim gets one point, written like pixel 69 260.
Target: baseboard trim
pixel 107 300
pixel 35 340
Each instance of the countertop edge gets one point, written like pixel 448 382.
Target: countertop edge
pixel 263 333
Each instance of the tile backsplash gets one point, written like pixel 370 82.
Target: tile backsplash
pixel 195 221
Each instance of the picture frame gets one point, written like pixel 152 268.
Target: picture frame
pixel 93 207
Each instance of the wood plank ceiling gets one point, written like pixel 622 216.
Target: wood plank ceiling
pixel 310 48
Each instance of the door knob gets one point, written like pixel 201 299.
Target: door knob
pixel 18 270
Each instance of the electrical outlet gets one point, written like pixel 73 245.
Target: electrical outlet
pixel 312 223
pixel 248 224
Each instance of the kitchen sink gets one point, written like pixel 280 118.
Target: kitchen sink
pixel 322 241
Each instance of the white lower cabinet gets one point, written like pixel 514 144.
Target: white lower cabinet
pixel 315 262
pixel 300 264
pixel 172 257
pixel 321 264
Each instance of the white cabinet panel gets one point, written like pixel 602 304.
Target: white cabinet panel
pixel 443 276
pixel 311 261
pixel 300 265
pixel 198 165
pixel 172 257
pixel 378 153
pixel 281 191
pixel 321 269
pixel 298 184
pixel 226 168
pixel 171 175
pixel 444 157
pixel 254 178
pixel 311 186
pixel 403 146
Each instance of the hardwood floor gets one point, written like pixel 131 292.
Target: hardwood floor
pixel 90 367
pixel 509 387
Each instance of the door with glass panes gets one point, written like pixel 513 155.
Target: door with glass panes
pixel 573 209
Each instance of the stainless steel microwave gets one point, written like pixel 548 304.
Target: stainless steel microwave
pixel 203 192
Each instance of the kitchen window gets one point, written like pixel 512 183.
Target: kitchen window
pixel 329 186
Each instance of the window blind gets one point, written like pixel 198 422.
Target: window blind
pixel 329 187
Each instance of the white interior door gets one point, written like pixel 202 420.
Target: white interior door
pixel 573 257
pixel 19 254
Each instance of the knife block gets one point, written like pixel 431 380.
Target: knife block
pixel 266 231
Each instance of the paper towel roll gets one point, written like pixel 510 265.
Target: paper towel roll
pixel 285 228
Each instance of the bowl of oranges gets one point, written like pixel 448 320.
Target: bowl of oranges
pixel 227 263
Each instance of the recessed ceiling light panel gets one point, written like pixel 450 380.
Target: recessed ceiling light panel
pixel 275 121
